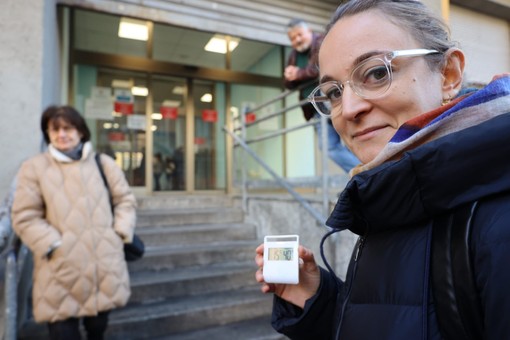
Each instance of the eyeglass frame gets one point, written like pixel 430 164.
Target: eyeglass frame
pixel 386 58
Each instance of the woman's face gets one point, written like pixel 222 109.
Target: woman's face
pixel 63 136
pixel 366 125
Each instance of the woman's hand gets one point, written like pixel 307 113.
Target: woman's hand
pixel 309 278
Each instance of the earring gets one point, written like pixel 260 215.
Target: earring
pixel 446 100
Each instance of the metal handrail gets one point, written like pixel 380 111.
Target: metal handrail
pixel 320 218
pixel 276 134
pixel 243 142
pixel 18 272
pixel 274 114
pixel 11 288
pixel 283 95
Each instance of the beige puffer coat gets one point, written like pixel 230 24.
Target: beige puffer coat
pixel 58 199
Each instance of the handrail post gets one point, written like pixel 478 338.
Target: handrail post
pixel 11 300
pixel 325 169
pixel 243 162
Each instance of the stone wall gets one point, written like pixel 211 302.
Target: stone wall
pixel 279 214
pixel 29 79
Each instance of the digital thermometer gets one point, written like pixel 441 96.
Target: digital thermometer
pixel 281 260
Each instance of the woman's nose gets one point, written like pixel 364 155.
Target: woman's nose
pixel 352 104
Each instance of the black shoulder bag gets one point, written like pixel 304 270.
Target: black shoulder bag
pixel 134 250
pixel 458 306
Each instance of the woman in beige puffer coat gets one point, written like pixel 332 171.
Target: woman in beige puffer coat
pixel 62 212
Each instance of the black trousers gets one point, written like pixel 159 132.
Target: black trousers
pixel 69 329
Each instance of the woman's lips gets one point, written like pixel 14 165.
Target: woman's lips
pixel 368 133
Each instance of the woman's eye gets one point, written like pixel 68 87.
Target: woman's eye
pixel 375 75
pixel 334 94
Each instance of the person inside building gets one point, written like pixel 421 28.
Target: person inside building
pixel 158 167
pixel 63 214
pixel 301 71
pixel 390 76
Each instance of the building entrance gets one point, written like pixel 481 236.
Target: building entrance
pixel 157 101
pixel 164 132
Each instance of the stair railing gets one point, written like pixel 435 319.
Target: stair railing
pixel 10 293
pixel 18 283
pixel 17 271
pixel 242 141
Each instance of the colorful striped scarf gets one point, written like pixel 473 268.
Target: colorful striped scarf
pixel 464 112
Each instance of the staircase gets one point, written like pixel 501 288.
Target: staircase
pixel 196 279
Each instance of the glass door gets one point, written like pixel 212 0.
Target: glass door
pixel 209 140
pixel 169 133
pixel 164 132
pixel 113 103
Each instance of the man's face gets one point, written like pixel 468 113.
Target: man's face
pixel 300 37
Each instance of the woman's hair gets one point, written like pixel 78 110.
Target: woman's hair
pixel 53 114
pixel 413 16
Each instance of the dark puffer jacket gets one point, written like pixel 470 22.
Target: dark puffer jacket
pixel 387 292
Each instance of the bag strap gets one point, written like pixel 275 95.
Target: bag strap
pixel 458 306
pixel 101 172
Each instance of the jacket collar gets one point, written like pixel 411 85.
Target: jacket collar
pixel 60 157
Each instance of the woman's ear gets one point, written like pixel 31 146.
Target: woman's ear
pixel 452 73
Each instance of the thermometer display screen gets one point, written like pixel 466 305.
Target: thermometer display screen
pixel 280 254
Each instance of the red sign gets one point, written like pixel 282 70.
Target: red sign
pixel 250 117
pixel 116 136
pixel 168 112
pixel 199 140
pixel 124 108
pixel 210 116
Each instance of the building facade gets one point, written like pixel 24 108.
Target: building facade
pixel 158 103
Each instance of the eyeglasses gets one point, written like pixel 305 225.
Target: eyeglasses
pixel 370 79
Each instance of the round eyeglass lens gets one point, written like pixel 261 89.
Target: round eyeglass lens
pixel 323 107
pixel 324 97
pixel 371 78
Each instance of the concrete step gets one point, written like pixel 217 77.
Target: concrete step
pixel 183 201
pixel 196 234
pixel 185 314
pixel 181 317
pixel 252 329
pixel 167 217
pixel 149 286
pixel 169 257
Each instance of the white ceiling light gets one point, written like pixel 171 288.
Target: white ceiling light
pixel 171 103
pixel 218 44
pixel 139 91
pixel 122 84
pixel 178 90
pixel 206 98
pixel 133 29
